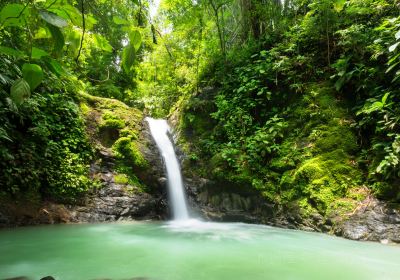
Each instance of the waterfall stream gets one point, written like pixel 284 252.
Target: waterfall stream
pixel 159 130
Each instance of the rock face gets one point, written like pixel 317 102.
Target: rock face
pixel 118 202
pixel 111 202
pixel 376 221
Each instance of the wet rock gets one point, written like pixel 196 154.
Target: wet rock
pixel 357 232
pixel 375 222
pixel 162 181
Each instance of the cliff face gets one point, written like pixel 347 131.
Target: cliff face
pixel 312 182
pixel 126 173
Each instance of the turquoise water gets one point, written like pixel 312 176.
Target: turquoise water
pixel 189 251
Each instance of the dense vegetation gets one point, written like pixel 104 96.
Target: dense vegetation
pixel 296 99
pixel 52 54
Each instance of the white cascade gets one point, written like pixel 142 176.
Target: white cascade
pixel 159 130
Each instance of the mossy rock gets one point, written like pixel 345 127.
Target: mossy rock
pixel 126 148
pixel 112 124
pixel 335 136
pixel 326 178
pixel 112 120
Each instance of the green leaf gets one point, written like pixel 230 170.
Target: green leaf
pixel 58 38
pixel 120 21
pixel 42 33
pixel 73 41
pixel 370 108
pixel 338 5
pixel 33 74
pixel 53 19
pixel 67 12
pixel 12 52
pixel 135 39
pixel 20 91
pixel 128 57
pixel 54 66
pixel 38 53
pixel 393 47
pixel 13 15
pixel 384 98
pixel 102 43
pixel 4 135
pixel 90 21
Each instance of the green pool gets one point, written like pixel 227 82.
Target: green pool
pixel 189 250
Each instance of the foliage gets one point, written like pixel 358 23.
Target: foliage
pixel 293 98
pixel 44 147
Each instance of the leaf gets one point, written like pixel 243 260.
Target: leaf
pixel 384 98
pixel 120 21
pixel 13 15
pixel 128 57
pixel 338 5
pixel 58 38
pixel 369 108
pixel 4 135
pixel 38 53
pixel 102 43
pixel 135 39
pixel 42 33
pixel 54 66
pixel 67 12
pixel 393 47
pixel 397 35
pixel 90 21
pixel 53 19
pixel 33 74
pixel 20 91
pixel 73 40
pixel 11 51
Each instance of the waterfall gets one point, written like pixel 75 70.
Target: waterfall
pixel 159 130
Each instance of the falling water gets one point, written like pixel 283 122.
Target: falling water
pixel 159 130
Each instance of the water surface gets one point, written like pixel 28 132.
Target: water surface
pixel 190 250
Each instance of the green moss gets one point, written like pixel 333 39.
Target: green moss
pixel 325 179
pixel 126 175
pixel 334 136
pixel 126 132
pixel 113 124
pixel 85 109
pixel 112 120
pixel 121 179
pixel 127 149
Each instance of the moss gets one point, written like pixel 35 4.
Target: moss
pixel 127 149
pixel 126 132
pixel 113 124
pixel 126 175
pixel 121 179
pixel 85 109
pixel 326 178
pixel 334 136
pixel 112 120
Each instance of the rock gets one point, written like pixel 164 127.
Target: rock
pixel 48 278
pixel 376 222
pixel 162 181
pixel 355 232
